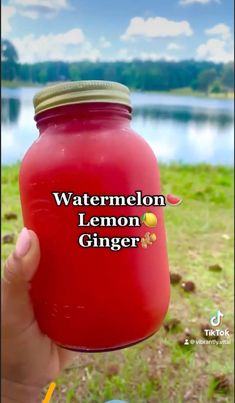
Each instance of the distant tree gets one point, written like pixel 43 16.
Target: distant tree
pixel 205 79
pixel 25 72
pixel 8 51
pixel 74 73
pixel 146 75
pixel 227 79
pixel 216 87
pixel 194 84
pixel 9 57
pixel 43 76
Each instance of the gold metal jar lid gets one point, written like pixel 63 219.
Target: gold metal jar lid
pixel 74 92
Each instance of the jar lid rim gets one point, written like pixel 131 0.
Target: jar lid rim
pixel 84 91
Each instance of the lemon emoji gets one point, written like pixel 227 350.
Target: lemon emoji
pixel 149 219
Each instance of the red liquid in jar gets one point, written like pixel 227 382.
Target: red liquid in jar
pixel 93 299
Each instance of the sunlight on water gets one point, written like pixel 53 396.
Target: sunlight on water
pixel 181 129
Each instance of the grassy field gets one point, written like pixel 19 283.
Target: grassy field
pixel 161 369
pixel 190 92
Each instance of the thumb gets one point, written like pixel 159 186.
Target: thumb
pixel 20 267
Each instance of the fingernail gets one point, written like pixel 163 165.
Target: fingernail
pixel 23 243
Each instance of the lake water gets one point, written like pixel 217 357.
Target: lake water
pixel 180 129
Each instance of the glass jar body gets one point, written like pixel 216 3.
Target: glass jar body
pixel 93 298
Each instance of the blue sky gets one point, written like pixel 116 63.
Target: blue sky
pixel 73 30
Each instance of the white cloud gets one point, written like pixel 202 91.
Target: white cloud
pixel 104 43
pixel 68 46
pixel 122 54
pixel 187 2
pixel 56 4
pixel 222 30
pixel 156 27
pixel 218 49
pixel 153 56
pixel 173 46
pixel 125 55
pixel 29 14
pixel 34 9
pixel 7 13
pixel 215 50
pixel 73 37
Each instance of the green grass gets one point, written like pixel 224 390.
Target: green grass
pixel 189 91
pixel 17 84
pixel 200 233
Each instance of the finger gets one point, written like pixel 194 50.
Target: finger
pixel 66 357
pixel 21 265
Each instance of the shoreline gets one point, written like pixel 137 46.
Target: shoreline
pixel 187 91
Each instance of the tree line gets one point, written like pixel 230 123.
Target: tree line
pixel 140 75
